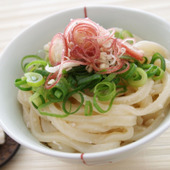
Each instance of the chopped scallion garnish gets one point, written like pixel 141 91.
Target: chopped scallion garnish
pixel 103 86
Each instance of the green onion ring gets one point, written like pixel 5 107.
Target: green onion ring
pixel 66 99
pixel 28 57
pixel 135 82
pixel 88 109
pixel 159 56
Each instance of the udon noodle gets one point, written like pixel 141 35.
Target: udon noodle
pixel 133 115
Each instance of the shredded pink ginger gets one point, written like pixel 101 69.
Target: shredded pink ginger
pixel 84 42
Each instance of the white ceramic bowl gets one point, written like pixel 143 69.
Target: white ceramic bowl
pixel 143 24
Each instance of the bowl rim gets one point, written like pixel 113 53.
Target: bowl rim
pixel 106 153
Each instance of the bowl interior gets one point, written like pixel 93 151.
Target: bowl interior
pixel 147 26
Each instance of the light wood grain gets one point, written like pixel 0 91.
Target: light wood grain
pixel 16 15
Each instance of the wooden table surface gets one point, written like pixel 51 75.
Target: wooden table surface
pixel 16 15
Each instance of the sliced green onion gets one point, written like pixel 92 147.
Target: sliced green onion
pixel 34 96
pixel 145 60
pixel 117 80
pixel 88 109
pixel 139 78
pixel 159 75
pixel 116 34
pixel 157 56
pixel 66 100
pixel 88 81
pixel 38 101
pixel 22 85
pixel 96 105
pixel 34 79
pixel 72 81
pixel 28 57
pixel 40 90
pixel 152 71
pixel 47 113
pixel 129 58
pixel 110 77
pixel 59 91
pixel 78 69
pixel 130 72
pixel 125 34
pixel 34 65
pixel 105 90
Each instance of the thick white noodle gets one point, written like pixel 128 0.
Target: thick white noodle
pixel 131 117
